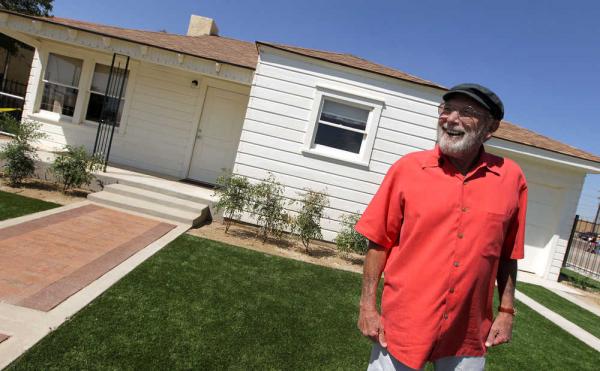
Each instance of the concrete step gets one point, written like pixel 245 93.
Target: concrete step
pixel 165 187
pixel 149 208
pixel 156 197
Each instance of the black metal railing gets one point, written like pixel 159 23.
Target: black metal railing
pixel 583 250
pixel 110 106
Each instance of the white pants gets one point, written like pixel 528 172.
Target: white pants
pixel 382 360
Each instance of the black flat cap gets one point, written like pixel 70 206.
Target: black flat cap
pixel 482 95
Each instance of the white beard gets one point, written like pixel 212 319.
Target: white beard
pixel 459 146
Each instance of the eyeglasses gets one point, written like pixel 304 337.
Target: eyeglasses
pixel 464 112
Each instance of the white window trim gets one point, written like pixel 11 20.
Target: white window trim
pixel 373 105
pixel 85 81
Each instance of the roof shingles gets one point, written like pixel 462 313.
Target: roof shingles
pixel 221 49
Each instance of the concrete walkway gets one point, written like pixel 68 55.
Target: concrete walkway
pixel 566 293
pixel 74 254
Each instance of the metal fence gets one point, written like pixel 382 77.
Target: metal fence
pixel 583 250
pixel 12 95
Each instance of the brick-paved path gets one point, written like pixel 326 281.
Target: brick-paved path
pixel 46 260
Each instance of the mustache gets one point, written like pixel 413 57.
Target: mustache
pixel 455 129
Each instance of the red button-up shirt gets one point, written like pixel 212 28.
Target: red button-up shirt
pixel 445 234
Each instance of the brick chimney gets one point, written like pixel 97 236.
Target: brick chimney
pixel 202 26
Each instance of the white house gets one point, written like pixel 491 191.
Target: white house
pixel 201 105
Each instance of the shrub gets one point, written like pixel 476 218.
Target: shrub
pixel 8 123
pixel 20 154
pixel 74 167
pixel 307 224
pixel 348 239
pixel 268 206
pixel 234 197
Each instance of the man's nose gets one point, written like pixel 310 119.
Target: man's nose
pixel 453 116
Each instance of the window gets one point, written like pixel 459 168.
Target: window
pixel 97 91
pixel 341 126
pixel 15 66
pixel 344 126
pixel 61 82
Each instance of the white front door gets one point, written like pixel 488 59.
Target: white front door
pixel 218 135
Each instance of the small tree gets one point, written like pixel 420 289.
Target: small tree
pixel 33 7
pixel 234 196
pixel 20 154
pixel 8 123
pixel 348 239
pixel 74 167
pixel 268 206
pixel 307 223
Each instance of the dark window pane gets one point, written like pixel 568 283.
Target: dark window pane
pixel 19 69
pixel 95 107
pixel 15 65
pixel 59 99
pixel 339 138
pixel 343 121
pixel 100 79
pixel 343 114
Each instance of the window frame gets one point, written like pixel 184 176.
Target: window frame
pixel 46 81
pixel 90 59
pixel 374 105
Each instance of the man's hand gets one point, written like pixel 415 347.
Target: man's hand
pixel 369 320
pixel 501 331
pixel 371 326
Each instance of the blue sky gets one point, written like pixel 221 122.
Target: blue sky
pixel 541 57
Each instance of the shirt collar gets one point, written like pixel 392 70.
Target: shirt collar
pixel 437 159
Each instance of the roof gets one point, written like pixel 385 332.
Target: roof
pixel 245 54
pixel 353 61
pixel 517 134
pixel 216 48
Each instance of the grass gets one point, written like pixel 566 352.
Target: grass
pixel 201 304
pixel 579 280
pixel 13 205
pixel 574 313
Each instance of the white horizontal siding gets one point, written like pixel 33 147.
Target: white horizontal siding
pixel 161 116
pixel 289 152
pixel 156 130
pixel 277 120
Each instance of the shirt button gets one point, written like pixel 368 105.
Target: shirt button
pixel 445 315
pixel 451 290
pixel 465 209
pixel 465 182
pixel 460 235
pixel 456 264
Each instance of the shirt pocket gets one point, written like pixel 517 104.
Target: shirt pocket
pixel 492 234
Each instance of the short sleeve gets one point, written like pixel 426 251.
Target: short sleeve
pixel 514 243
pixel 382 220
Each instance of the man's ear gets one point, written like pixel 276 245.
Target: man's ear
pixel 494 124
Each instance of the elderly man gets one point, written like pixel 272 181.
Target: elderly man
pixel 443 226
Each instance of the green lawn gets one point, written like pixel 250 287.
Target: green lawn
pixel 200 304
pixel 581 281
pixel 13 205
pixel 574 313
